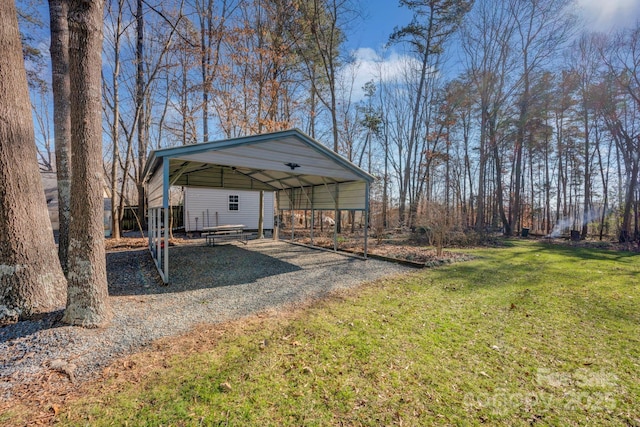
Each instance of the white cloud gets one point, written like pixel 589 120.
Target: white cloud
pixel 605 15
pixel 370 65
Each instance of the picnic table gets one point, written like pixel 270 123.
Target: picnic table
pixel 225 232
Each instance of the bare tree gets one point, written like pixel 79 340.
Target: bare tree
pixel 619 95
pixel 115 12
pixel 541 28
pixel 212 34
pixel 433 22
pixel 488 47
pixel 130 96
pixel 42 118
pixel 31 280
pixel 58 10
pixel 460 104
pixel 324 34
pixel 142 137
pixel 586 66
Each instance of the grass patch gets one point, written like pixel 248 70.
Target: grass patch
pixel 524 334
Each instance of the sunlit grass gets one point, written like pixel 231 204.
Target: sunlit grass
pixel 523 334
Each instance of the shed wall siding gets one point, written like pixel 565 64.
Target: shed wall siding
pixel 154 190
pixel 349 195
pixel 207 207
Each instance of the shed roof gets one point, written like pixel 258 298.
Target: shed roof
pixel 272 161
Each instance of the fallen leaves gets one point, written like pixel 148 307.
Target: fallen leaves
pixel 64 367
pixel 55 409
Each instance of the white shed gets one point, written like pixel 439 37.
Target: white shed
pixel 212 207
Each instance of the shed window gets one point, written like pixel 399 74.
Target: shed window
pixel 233 202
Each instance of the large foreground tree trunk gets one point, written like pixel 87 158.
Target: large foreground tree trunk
pixel 61 119
pixel 87 300
pixel 31 280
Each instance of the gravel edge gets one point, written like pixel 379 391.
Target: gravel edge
pixel 207 285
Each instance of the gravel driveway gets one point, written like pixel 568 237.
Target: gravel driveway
pixel 207 285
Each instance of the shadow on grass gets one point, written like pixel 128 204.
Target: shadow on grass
pixel 191 268
pixel 537 263
pixel 598 308
pixel 584 253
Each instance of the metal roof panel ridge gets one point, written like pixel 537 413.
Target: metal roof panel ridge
pixel 156 156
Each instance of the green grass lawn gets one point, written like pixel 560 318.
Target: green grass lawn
pixel 524 334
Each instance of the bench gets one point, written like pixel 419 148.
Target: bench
pixel 225 232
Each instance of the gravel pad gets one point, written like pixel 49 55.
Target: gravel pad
pixel 207 285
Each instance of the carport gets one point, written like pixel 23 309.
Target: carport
pixel 304 174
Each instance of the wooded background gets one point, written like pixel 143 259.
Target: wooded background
pixel 505 114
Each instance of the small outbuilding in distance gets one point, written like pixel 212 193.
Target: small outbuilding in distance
pixel 302 174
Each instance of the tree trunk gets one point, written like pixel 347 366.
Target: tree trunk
pixel 142 137
pixel 514 218
pixel 115 130
pixel 31 280
pixel 205 65
pixel 625 229
pixel 498 173
pixel 413 136
pixel 604 175
pixel 87 299
pixel 482 170
pixel 561 174
pixel 469 215
pixel 547 192
pixel 61 119
pixel 587 176
pixel 312 106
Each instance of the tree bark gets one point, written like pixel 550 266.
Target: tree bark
pixel 498 174
pixel 515 217
pixel 31 280
pixel 61 86
pixel 142 137
pixel 115 126
pixel 87 297
pixel 586 214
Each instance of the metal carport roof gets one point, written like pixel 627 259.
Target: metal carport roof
pixel 303 173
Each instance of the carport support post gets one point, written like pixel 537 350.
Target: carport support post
pixel 158 216
pixel 151 230
pixel 276 221
pixel 293 223
pixel 293 217
pixel 261 216
pixel 165 219
pixel 366 219
pixel 313 216
pixel 336 222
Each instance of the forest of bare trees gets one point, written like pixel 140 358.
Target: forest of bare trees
pixel 505 115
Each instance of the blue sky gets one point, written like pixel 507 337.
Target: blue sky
pixel 367 39
pixel 380 18
pixel 605 15
pixel 383 15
